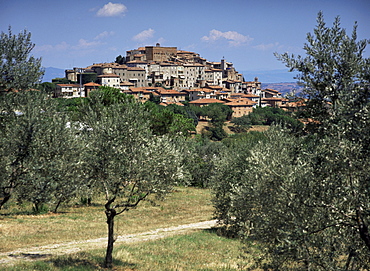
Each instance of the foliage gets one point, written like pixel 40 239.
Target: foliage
pixel 105 96
pixel 161 120
pixel 87 78
pixel 39 152
pixel 47 87
pixel 124 160
pixel 335 76
pixel 200 159
pixel 306 200
pixel 120 59
pixel 69 105
pixel 62 80
pixel 185 111
pixel 218 114
pixel 215 132
pixel 155 98
pixel 242 124
pixel 245 139
pixel 232 172
pixel 166 121
pixel 267 116
pixel 19 70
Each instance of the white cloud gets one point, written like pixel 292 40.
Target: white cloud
pixel 144 35
pixel 104 34
pixel 63 46
pixel 161 40
pixel 234 38
pixel 112 10
pixel 264 47
pixel 84 44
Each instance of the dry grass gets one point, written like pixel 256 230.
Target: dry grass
pixel 228 125
pixel 202 250
pixel 186 205
pixel 197 250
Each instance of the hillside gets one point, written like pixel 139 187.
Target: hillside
pixel 284 88
pixel 51 73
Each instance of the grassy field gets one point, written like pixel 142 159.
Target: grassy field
pixel 203 250
pixel 195 250
pixel 21 230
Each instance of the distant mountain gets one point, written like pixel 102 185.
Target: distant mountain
pixel 51 73
pixel 284 88
pixel 270 76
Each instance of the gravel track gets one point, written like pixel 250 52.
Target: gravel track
pixel 43 252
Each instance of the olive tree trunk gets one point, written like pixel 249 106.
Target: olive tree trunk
pixel 110 213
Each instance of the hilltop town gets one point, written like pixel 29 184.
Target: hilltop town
pixel 173 76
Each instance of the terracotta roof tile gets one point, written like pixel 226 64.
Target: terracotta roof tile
pixel 240 102
pixel 206 101
pixel 271 90
pixel 92 84
pixel 69 85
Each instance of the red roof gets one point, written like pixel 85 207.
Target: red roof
pixel 206 101
pixel 163 91
pixel 125 83
pixel 69 85
pixel 92 84
pixel 271 91
pixel 241 102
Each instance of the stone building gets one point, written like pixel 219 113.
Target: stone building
pixel 158 53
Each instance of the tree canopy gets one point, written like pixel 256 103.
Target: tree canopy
pixel 125 160
pixel 18 70
pixel 306 200
pixel 39 152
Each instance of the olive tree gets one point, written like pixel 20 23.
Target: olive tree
pixel 336 79
pixel 39 151
pixel 18 70
pixel 125 160
pixel 303 200
pixel 200 158
pixel 306 200
pixel 54 175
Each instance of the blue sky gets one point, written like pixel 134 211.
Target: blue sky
pixel 77 33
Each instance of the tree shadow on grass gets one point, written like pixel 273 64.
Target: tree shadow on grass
pixel 220 231
pixel 33 256
pixel 86 261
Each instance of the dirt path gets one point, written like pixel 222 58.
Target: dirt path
pixel 47 251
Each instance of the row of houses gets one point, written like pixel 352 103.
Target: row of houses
pixel 173 76
pixel 163 66
pixel 240 103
